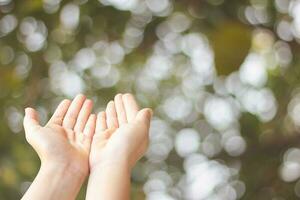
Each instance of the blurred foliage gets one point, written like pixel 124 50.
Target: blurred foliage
pixel 46 56
pixel 231 43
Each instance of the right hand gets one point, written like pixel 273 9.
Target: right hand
pixel 122 133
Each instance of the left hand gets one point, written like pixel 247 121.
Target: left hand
pixel 66 139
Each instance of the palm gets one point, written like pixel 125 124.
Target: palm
pixel 67 135
pixel 57 140
pixel 120 134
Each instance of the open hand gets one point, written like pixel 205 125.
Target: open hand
pixel 66 138
pixel 121 133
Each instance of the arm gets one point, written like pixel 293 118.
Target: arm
pixel 55 181
pixel 120 140
pixel 110 180
pixel 63 146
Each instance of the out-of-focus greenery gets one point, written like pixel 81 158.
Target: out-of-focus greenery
pixel 221 76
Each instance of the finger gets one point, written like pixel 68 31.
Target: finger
pixel 101 122
pixel 90 126
pixel 144 116
pixel 89 132
pixel 83 115
pixel 73 111
pixel 31 120
pixel 104 135
pixel 60 112
pixel 121 113
pixel 131 106
pixel 111 115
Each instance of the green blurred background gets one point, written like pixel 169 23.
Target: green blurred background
pixel 222 77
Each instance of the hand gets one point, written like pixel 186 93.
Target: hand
pixel 121 133
pixel 66 139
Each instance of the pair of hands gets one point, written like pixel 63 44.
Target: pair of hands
pixel 83 142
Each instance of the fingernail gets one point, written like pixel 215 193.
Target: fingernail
pixel 151 112
pixel 80 96
pixel 89 101
pixel 26 110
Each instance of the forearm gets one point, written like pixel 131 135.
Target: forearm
pixel 55 181
pixel 110 181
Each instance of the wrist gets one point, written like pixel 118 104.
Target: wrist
pixel 55 181
pixel 64 169
pixel 111 164
pixel 110 179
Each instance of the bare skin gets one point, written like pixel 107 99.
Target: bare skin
pixel 63 146
pixel 75 142
pixel 120 140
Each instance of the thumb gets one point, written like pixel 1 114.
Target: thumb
pixel 145 116
pixel 31 119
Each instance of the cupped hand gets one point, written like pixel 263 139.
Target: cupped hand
pixel 67 137
pixel 121 133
